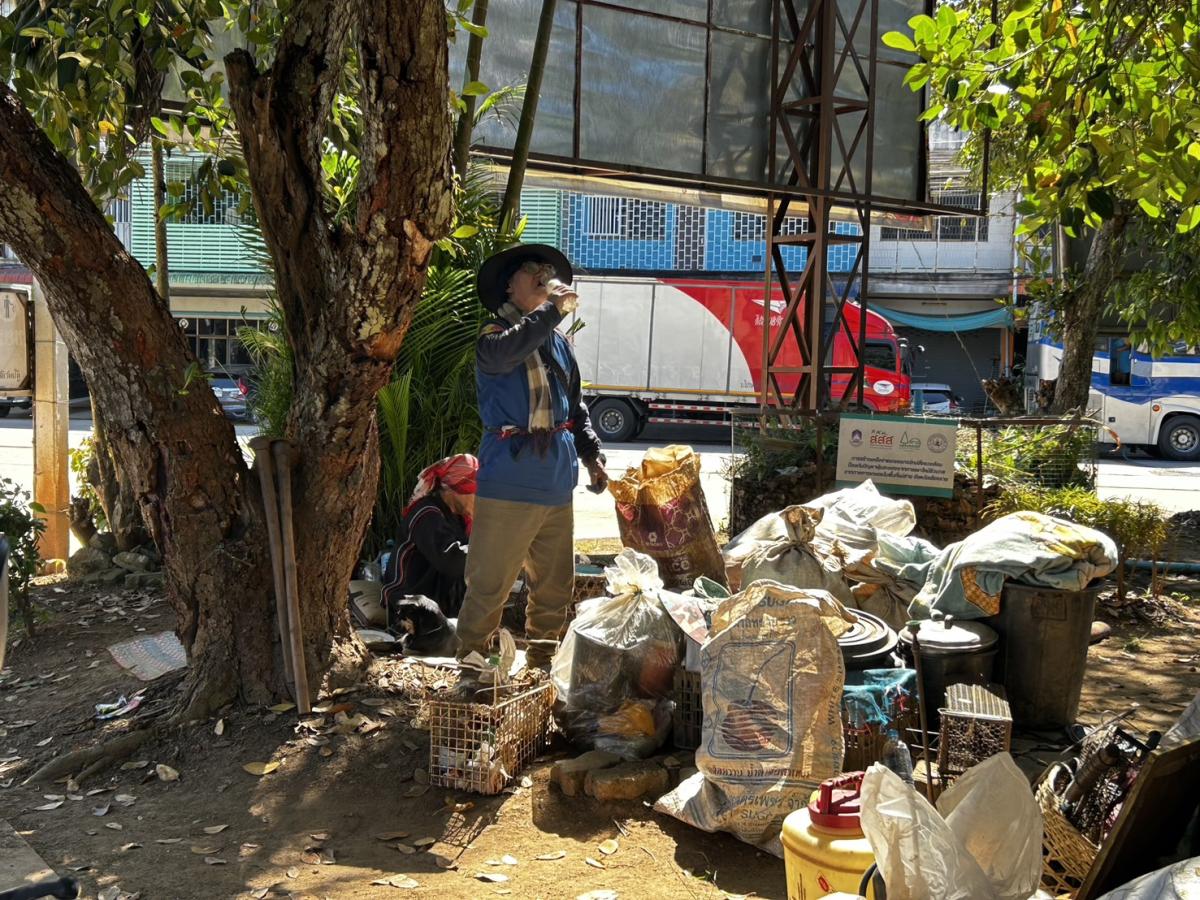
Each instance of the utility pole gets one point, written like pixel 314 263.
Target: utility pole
pixel 466 121
pixel 51 418
pixel 520 157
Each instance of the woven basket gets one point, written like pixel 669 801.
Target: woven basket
pixel 1067 855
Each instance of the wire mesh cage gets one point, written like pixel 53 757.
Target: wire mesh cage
pixel 976 725
pixel 865 741
pixel 479 746
pixel 688 715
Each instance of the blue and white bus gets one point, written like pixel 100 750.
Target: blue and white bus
pixel 1148 401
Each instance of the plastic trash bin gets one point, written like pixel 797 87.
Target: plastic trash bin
pixel 1042 654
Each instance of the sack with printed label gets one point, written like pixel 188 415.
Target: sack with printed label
pixel 771 683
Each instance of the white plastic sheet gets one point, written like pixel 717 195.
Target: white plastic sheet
pixel 983 844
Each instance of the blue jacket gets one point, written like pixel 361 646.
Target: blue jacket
pixel 511 468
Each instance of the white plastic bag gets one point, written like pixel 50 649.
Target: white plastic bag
pixel 614 670
pixel 983 842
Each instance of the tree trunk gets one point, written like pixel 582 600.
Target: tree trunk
pixel 1081 315
pixel 174 448
pixel 466 120
pixel 520 157
pixel 116 495
pixel 347 289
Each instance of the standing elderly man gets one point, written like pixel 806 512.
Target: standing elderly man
pixel 536 429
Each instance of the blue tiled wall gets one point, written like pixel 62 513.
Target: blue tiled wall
pixel 616 253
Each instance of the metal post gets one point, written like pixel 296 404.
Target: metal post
pixel 51 419
pixel 979 468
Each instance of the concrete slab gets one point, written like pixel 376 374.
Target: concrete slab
pixel 19 864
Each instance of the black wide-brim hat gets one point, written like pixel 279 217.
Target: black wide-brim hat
pixel 498 268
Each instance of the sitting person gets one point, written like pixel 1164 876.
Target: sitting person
pixel 430 557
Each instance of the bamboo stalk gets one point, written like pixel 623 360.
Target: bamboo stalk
pixel 266 478
pixel 282 452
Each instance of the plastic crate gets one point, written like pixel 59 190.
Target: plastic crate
pixel 688 715
pixel 480 746
pixel 976 724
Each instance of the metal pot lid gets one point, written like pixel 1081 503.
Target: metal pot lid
pixel 869 636
pixel 949 635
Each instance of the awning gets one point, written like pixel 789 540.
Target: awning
pixel 994 318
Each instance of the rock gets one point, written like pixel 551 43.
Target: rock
pixel 105 541
pixel 151 552
pixel 88 561
pixel 627 781
pixel 1100 630
pixel 132 562
pixel 108 576
pixel 141 580
pixel 570 774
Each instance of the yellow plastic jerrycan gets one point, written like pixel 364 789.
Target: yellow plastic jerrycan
pixel 824 849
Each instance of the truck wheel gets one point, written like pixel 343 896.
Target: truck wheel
pixel 1180 438
pixel 614 420
pixel 4 409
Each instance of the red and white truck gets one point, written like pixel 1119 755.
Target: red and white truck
pixel 690 351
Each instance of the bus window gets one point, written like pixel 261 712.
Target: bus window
pixel 1119 361
pixel 880 355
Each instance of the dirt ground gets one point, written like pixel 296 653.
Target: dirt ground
pixel 312 827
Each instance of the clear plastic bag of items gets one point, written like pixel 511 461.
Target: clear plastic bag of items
pixel 615 668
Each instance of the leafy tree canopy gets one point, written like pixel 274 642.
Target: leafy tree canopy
pixel 1093 108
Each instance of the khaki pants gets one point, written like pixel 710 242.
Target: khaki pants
pixel 505 536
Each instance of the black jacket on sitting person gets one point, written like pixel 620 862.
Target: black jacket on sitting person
pixel 430 556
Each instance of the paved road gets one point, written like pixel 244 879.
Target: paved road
pixel 1172 485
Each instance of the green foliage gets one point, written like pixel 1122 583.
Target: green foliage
pixel 781 451
pixel 22 528
pixel 270 397
pixel 1139 528
pixel 93 74
pixel 79 459
pixel 1093 109
pixel 1055 456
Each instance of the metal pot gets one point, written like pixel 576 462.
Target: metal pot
pixel 952 652
pixel 870 643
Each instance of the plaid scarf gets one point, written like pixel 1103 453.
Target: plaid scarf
pixel 541 425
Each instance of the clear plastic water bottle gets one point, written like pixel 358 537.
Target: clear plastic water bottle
pixel 897 758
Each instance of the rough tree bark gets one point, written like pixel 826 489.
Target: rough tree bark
pixel 1081 314
pixel 347 290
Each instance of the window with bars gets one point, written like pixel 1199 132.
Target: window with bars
pixel 224 205
pixel 953 229
pixel 752 226
pixel 626 219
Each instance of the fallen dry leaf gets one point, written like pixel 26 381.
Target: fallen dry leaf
pixel 391 835
pixel 555 854
pixel 526 782
pixel 261 768
pixel 109 893
pixel 398 881
pixel 609 847
pixel 406 849
pixel 320 836
pixel 137 764
pixel 598 895
pixel 125 799
pixel 293 872
pixel 215 829
pixel 168 840
pixel 101 810
pixel 420 776
pixel 326 752
pixel 133 845
pixel 94 791
pixel 281 707
pixel 494 877
pixel 260 893
pixel 213 861
pixel 374 701
pixel 218 730
pixel 46 741
pixel 506 860
pixel 594 862
pixel 45 807
pixel 248 850
pixel 317 856
pixel 200 850
pixel 422 843
pixel 115 826
pixel 53 797
pixel 417 790
pixel 443 862
pixel 166 773
pixel 72 785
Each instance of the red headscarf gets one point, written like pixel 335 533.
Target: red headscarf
pixel 454 472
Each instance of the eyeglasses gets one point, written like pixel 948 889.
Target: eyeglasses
pixel 532 267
